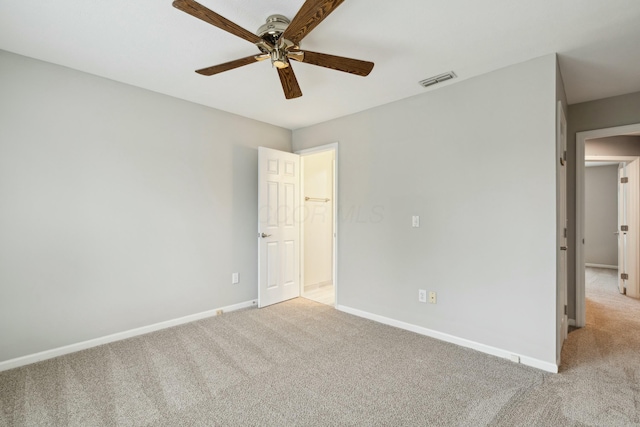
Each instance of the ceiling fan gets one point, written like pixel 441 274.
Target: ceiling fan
pixel 279 40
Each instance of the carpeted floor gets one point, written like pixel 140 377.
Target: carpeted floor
pixel 304 363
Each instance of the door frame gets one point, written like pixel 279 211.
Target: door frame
pixel 562 226
pixel 581 138
pixel 334 274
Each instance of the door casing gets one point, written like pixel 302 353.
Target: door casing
pixel 562 229
pixel 334 276
pixel 581 138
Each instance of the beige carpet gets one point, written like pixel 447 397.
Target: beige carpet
pixel 304 363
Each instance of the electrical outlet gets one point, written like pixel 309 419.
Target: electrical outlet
pixel 415 221
pixel 235 278
pixel 422 295
pixel 432 297
pixel 514 358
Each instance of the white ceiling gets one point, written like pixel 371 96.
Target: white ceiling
pixel 150 44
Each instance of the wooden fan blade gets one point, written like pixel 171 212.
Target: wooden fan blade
pixel 210 71
pixel 199 11
pixel 348 65
pixel 308 17
pixel 289 83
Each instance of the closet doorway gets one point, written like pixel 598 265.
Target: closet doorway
pixel 318 228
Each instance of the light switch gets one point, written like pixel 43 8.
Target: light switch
pixel 415 221
pixel 235 278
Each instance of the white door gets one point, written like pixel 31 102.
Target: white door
pixel 561 148
pixel 278 226
pixel 622 220
pixel 628 229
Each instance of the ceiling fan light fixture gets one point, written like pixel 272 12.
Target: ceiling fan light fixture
pixel 437 79
pixel 280 64
pixel 279 59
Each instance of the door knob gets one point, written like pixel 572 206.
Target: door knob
pixel 265 235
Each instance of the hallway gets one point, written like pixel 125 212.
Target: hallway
pixel 601 360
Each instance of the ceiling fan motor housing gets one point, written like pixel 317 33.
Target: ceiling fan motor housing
pixel 271 33
pixel 275 25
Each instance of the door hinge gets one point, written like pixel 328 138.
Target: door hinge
pixel 565 232
pixel 565 309
pixel 624 228
pixel 624 276
pixel 624 180
pixel 564 155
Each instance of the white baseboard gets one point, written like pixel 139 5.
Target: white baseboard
pixel 611 267
pixel 572 322
pixel 60 351
pixel 494 351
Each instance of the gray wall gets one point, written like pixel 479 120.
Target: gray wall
pixel 119 207
pixel 476 161
pixel 604 113
pixel 623 145
pixel 601 215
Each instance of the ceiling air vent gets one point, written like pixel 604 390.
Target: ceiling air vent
pixel 438 79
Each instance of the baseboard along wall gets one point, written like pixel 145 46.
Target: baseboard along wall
pixel 60 351
pixel 494 351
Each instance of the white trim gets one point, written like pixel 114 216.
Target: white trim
pixel 314 150
pixel 318 149
pixel 572 322
pixel 562 262
pixel 581 137
pixel 633 129
pixel 301 237
pixel 494 351
pixel 622 159
pixel 72 348
pixel 611 267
